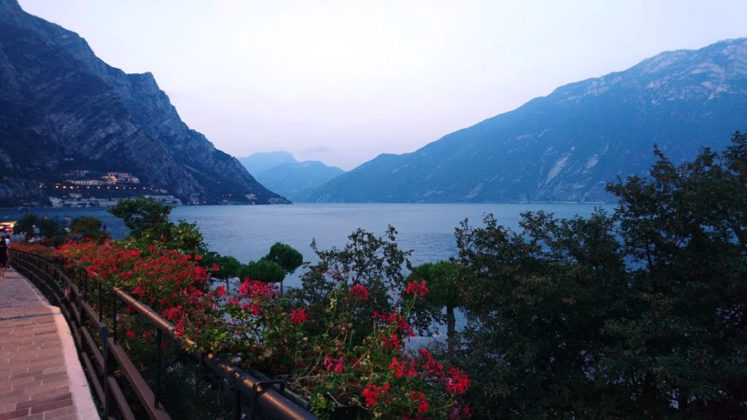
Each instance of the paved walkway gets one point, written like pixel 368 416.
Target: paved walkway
pixel 40 374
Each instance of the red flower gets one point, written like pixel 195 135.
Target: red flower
pixel 419 289
pixel 372 393
pixel 458 382
pixel 148 333
pixel 359 291
pixel 299 315
pixel 138 291
pixel 391 342
pixel 432 367
pixel 220 291
pixel 215 267
pixel 423 405
pixel 130 334
pixel 403 368
pixel 244 288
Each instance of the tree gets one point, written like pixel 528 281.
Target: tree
pixel 87 227
pixel 25 226
pixel 683 229
pixel 148 221
pixel 445 281
pixel 367 260
pixel 287 257
pixel 537 304
pixel 636 315
pixel 142 214
pixel 264 270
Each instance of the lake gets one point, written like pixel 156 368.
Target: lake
pixel 247 232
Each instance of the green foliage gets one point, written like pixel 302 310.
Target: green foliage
pixel 88 227
pixel 445 281
pixel 374 262
pixel 286 256
pixel 636 315
pixel 50 228
pixel 227 266
pixel 265 270
pixel 684 229
pixel 142 214
pixel 25 226
pixel 537 304
pixel 185 237
pixel 148 221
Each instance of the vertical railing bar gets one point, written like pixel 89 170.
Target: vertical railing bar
pixel 159 350
pixel 114 319
pixel 107 372
pixel 101 304
pixel 236 398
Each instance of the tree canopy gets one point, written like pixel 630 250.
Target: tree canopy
pixel 635 314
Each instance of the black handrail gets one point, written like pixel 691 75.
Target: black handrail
pixel 264 398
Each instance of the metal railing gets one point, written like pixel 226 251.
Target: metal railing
pixel 109 368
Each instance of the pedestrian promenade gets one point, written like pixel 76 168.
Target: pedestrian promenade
pixel 40 374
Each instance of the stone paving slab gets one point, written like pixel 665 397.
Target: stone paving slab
pixel 40 374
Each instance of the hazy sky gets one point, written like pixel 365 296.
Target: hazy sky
pixel 346 80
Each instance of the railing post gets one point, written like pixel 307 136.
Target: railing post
pixel 101 304
pixel 107 372
pixel 159 350
pixel 236 398
pixel 114 319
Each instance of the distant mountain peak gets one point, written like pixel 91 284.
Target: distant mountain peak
pixel 282 173
pixel 566 146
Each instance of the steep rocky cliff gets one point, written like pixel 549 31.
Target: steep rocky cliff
pixel 568 145
pixel 63 110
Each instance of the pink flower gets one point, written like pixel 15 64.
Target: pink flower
pixel 334 365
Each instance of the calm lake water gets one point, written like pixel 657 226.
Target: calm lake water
pixel 247 232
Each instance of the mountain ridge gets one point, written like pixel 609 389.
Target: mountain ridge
pixel 281 172
pixel 568 145
pixel 71 111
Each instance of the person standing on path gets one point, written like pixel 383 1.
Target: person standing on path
pixel 4 256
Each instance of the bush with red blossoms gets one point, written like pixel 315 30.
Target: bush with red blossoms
pixel 376 372
pixel 168 281
pixel 342 353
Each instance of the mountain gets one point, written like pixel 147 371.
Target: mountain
pixel 568 145
pixel 298 179
pixel 281 172
pixel 65 113
pixel 260 162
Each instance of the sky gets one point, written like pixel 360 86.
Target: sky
pixel 343 81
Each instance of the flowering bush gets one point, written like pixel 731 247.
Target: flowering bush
pixel 33 248
pixel 376 372
pixel 166 280
pixel 333 358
